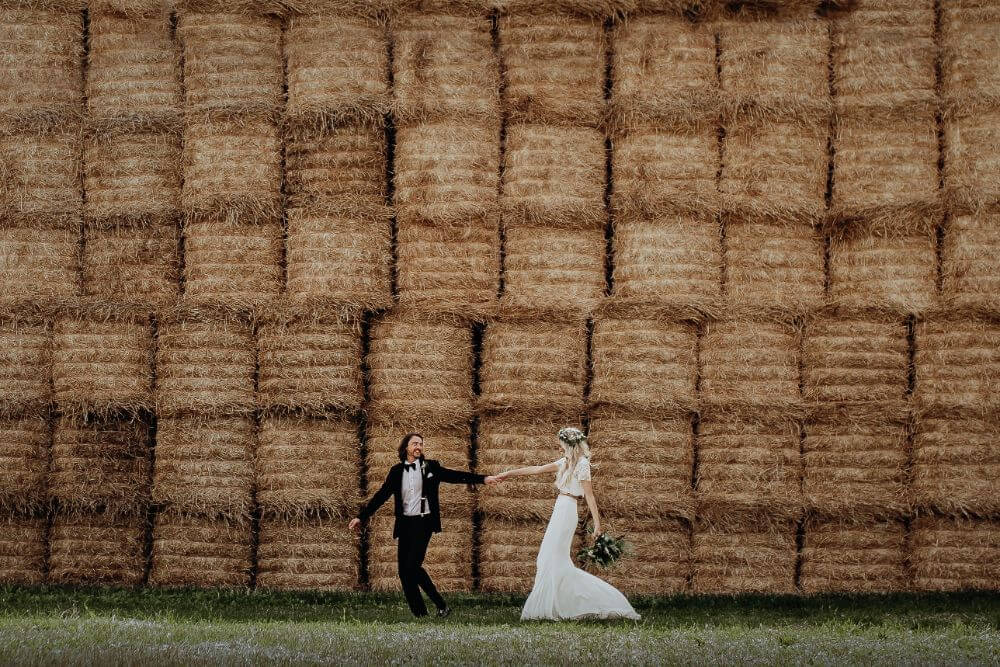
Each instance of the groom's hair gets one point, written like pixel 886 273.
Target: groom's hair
pixel 404 442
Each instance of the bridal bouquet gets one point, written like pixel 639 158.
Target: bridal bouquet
pixel 605 552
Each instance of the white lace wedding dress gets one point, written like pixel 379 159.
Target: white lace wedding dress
pixel 563 591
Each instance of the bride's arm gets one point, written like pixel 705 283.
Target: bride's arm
pixel 588 493
pixel 530 470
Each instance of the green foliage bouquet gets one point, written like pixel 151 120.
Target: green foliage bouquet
pixel 605 552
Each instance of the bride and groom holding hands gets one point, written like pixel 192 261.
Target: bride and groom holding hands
pixel 561 591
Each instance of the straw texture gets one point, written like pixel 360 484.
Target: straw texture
pixel 955 554
pixel 839 556
pixel 971 157
pixel 199 552
pixel 132 177
pixel 957 361
pixel 137 265
pixel 38 263
pixel 25 363
pixel 340 170
pixel 743 554
pixel 507 554
pixel 41 176
pixel 96 548
pixel 661 560
pixel 22 550
pixel 970 265
pixel 306 554
pixel 24 448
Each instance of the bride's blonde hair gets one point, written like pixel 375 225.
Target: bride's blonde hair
pixel 575 447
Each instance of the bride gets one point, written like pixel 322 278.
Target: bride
pixel 561 590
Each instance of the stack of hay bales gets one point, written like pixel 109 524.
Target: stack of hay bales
pixel 855 377
pixel 955 460
pixel 232 162
pixel 421 372
pixel 885 198
pixel 339 225
pixel 665 158
pixel 203 470
pixel 307 457
pixel 132 160
pixel 447 160
pixel 40 144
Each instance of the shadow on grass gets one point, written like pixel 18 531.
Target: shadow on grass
pixel 913 611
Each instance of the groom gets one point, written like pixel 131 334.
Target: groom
pixel 414 484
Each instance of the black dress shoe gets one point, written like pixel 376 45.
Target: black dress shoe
pixel 444 612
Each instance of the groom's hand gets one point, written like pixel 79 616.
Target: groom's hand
pixel 355 524
pixel 493 480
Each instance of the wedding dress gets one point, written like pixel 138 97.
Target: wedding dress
pixel 563 591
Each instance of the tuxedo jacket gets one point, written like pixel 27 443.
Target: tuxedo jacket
pixel 433 473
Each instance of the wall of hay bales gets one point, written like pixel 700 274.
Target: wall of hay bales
pixel 751 247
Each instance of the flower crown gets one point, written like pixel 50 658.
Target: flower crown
pixel 571 436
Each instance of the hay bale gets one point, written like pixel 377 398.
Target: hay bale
pixel 310 364
pixel 97 548
pixel 102 364
pixel 204 363
pixel 341 170
pixel 554 176
pixel 775 170
pixel 743 553
pixel 232 169
pixel 449 445
pixel 895 273
pixel 232 63
pixel 553 269
pixel 885 171
pixel 956 463
pixel 507 553
pixel 884 56
pixel 643 464
pixel 554 65
pixel 205 466
pixel 840 556
pixel 101 464
pixel 750 359
pixel 22 550
pixel 534 365
pixel 447 172
pixel 132 177
pixel 957 359
pixel 972 158
pixel 854 356
pixel 452 268
pixel 308 464
pixel 200 552
pixel 24 462
pixel 970 39
pixel 133 265
pixel 448 560
pixel 337 70
pixel 41 80
pixel 444 66
pixel 775 69
pixel 660 562
pixel 38 263
pixel 854 461
pixel 514 441
pixel 663 72
pixel 133 71
pixel 306 554
pixel 644 363
pixel 25 364
pixel 235 264
pixel 773 265
pixel 970 263
pixel 954 554
pixel 41 176
pixel 339 257
pixel 748 460
pixel 421 369
pixel 660 172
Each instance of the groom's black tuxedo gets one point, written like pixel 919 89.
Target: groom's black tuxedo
pixel 433 474
pixel 414 532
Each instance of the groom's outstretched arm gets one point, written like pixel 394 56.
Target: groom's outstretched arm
pixel 377 500
pixel 460 476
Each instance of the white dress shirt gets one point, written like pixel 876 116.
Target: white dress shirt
pixel 413 490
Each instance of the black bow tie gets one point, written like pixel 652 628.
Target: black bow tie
pixel 410 466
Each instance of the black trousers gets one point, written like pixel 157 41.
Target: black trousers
pixel 414 535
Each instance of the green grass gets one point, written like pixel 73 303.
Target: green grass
pixel 47 625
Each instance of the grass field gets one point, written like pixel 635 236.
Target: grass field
pixel 81 626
